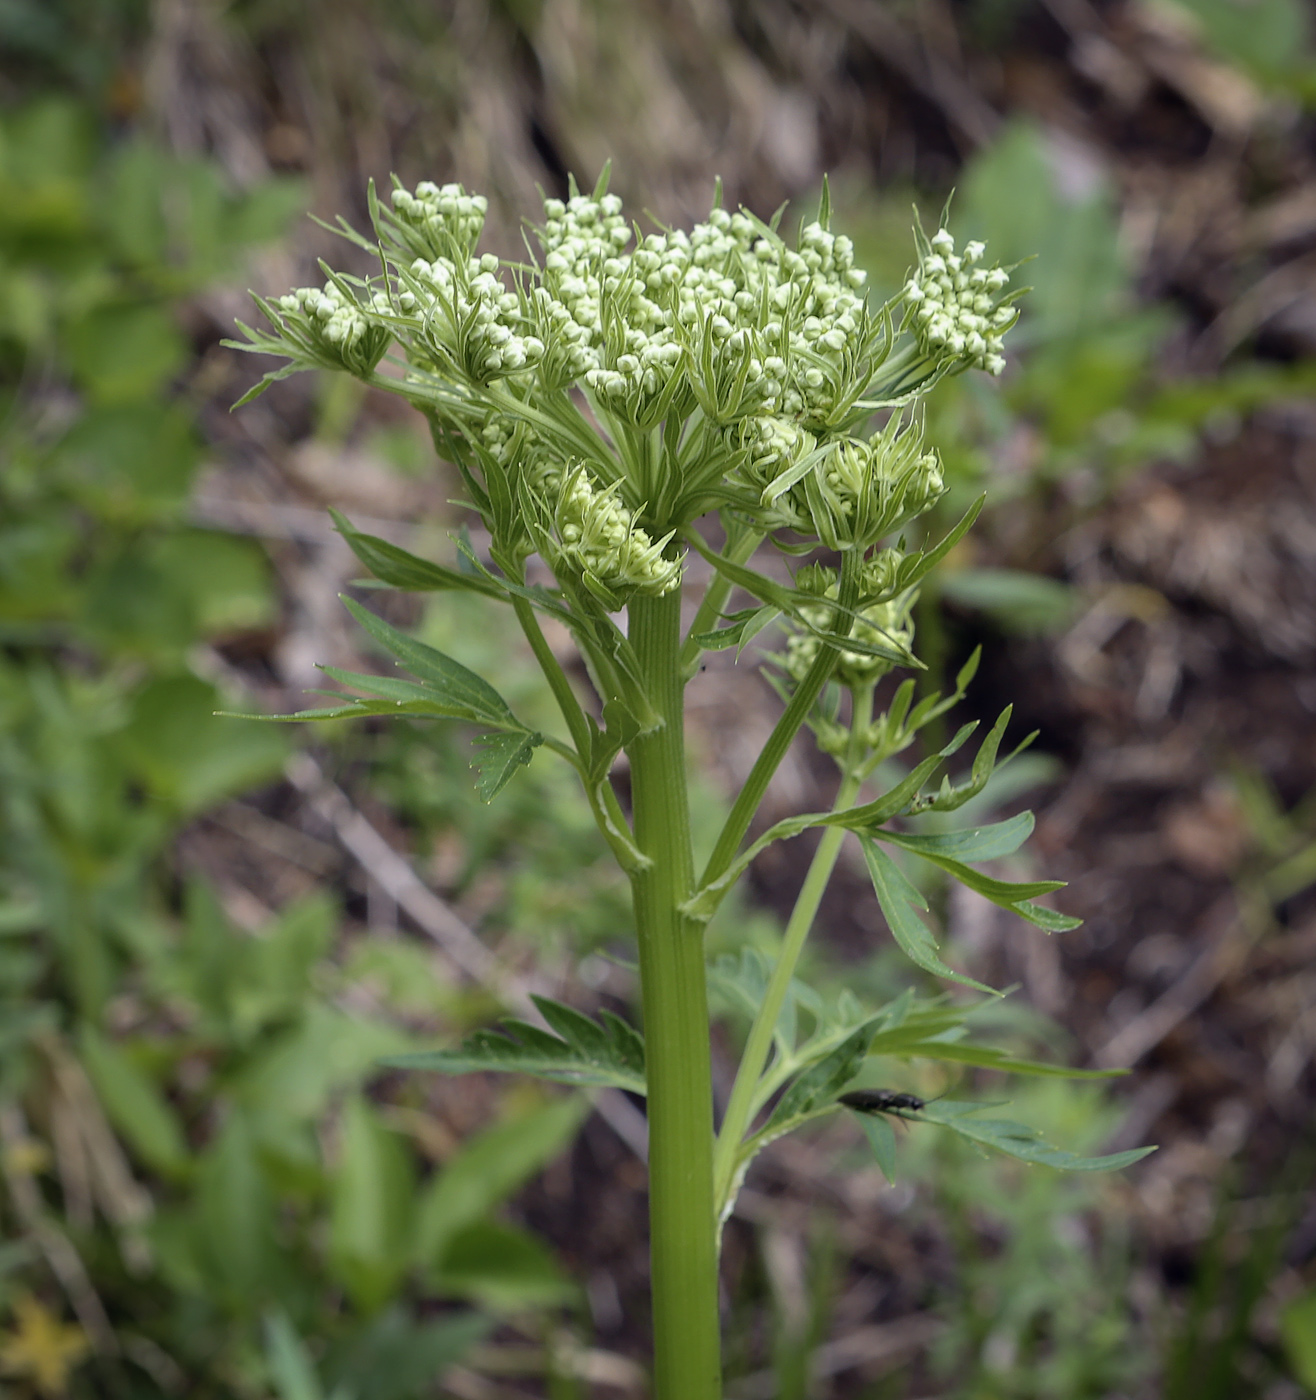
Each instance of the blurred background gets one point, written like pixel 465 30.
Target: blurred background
pixel 211 930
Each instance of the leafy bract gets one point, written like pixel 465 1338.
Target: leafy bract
pixel 577 1050
pixel 399 568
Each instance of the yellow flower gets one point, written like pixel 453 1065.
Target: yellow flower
pixel 41 1347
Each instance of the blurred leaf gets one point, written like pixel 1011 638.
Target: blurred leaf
pixel 234 1219
pixel 123 353
pixel 504 1268
pixel 398 1359
pixel 289 1362
pixel 189 756
pixel 133 1103
pixel 1297 1325
pixel 1019 601
pixel 129 462
pixel 372 1207
pixel 1270 39
pixel 488 1169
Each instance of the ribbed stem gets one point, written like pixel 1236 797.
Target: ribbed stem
pixel 682 1239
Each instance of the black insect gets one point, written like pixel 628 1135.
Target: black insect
pixel 899 1105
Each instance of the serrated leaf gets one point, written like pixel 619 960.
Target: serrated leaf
pixel 498 755
pixel 882 1137
pixel 399 568
pixel 583 1052
pixel 816 1089
pixel 1019 1140
pixel 900 901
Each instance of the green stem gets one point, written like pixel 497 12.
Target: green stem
pixel 714 599
pixel 740 1108
pixel 682 1239
pixel 779 741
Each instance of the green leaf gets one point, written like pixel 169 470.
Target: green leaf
pixel 290 1363
pixel 901 1044
pixel 503 1268
pixel 462 693
pixel 392 564
pixel 974 843
pixel 134 1104
pixel 882 1136
pixel 398 1359
pixel 1019 1140
pixel 900 901
pixel 816 1089
pixel 235 1218
pixel 1020 601
pixel 583 1052
pixel 497 757
pixel 1015 897
pixel 488 1169
pixel 1297 1326
pixel 371 1212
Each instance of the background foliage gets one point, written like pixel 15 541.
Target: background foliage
pixel 208 1185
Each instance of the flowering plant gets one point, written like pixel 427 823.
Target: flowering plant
pixel 605 402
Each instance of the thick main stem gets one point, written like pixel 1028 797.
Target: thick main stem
pixel 682 1238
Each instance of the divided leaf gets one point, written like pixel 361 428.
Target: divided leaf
pixel 582 1052
pixel 900 902
pixel 1004 1135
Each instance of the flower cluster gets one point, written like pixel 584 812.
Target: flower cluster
pixel 722 367
pixel 957 307
pixel 885 626
pixel 470 318
pixel 340 329
pixel 443 219
pixel 597 535
pixel 868 488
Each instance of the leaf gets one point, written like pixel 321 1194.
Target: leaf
pixel 462 693
pixel 134 1104
pixel 899 1044
pixel 1297 1326
pixel 504 1268
pixel 235 1218
pixel 583 1052
pixel 817 1088
pixel 398 1359
pixel 372 1206
pixel 488 1169
pixel 1004 893
pixel 289 1362
pixel 497 757
pixel 974 843
pixel 882 1136
pixel 1019 1140
pixel 392 564
pixel 900 900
